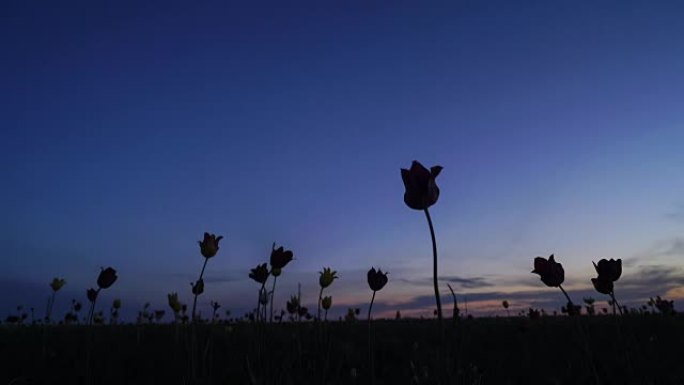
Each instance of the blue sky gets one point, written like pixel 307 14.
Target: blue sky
pixel 128 130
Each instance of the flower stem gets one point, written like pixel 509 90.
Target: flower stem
pixel 275 278
pixel 194 302
pixel 434 267
pixel 92 308
pixel 370 340
pixel 320 298
pixel 51 302
pixel 565 293
pixel 615 303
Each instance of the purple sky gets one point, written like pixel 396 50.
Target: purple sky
pixel 128 130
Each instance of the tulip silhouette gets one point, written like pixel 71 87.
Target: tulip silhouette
pixel 174 304
pixel 55 285
pixel 608 271
pixel 260 275
pixel 376 281
pixel 107 278
pixel 209 246
pixel 326 278
pixel 198 287
pixel 421 193
pixel 293 305
pixel 551 273
pixel 92 297
pixel 421 188
pixel 279 258
pixel 326 303
pixel 92 294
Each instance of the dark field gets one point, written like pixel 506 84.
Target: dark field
pixel 645 349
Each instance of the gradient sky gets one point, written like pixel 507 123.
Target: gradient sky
pixel 129 129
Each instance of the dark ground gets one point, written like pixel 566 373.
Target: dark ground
pixel 635 349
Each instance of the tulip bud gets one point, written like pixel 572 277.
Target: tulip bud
pixel 421 188
pixel 280 257
pixel 376 279
pixel 107 278
pixel 174 303
pixel 198 287
pixel 260 273
pixel 116 304
pixel 327 276
pixel 550 271
pixel 92 294
pixel 210 245
pixel 326 303
pixel 57 283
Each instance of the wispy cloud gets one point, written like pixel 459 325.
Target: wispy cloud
pixel 677 212
pixel 460 282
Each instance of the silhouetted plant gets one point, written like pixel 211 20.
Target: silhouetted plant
pixel 292 307
pixel 209 246
pixel 663 306
pixel 326 278
pixel 105 280
pixel 351 314
pixel 589 305
pixel 505 306
pixel 608 271
pixel 456 311
pixel 260 275
pixel 55 285
pixel 279 259
pixel 553 275
pixel 376 281
pixel 174 304
pixel 326 303
pixel 114 311
pixel 421 193
pixel 215 306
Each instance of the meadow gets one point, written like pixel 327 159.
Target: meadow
pixel 300 346
pixel 605 349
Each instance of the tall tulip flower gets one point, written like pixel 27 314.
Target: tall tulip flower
pixel 553 275
pixel 608 271
pixel 260 275
pixel 55 285
pixel 279 258
pixel 326 278
pixel 209 246
pixel 376 281
pixel 105 280
pixel 421 193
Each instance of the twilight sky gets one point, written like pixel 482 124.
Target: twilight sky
pixel 128 129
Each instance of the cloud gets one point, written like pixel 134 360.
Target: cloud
pixel 677 213
pixel 461 282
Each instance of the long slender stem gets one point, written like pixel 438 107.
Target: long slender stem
pixel 320 298
pixel 194 302
pixel 370 340
pixel 615 303
pixel 275 278
pixel 51 302
pixel 371 308
pixel 565 293
pixel 434 267
pixel 92 308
